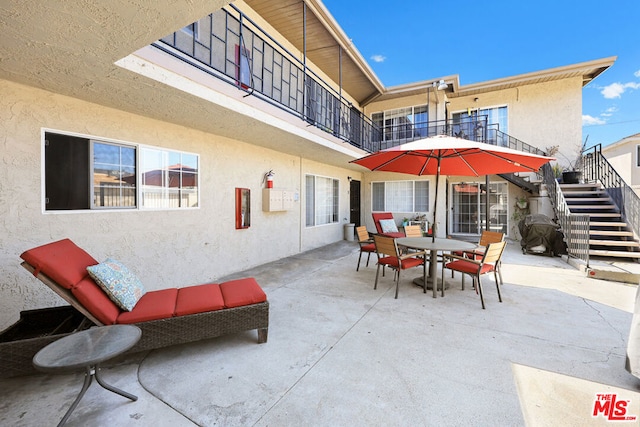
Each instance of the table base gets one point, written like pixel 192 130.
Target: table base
pixel 419 281
pixel 88 376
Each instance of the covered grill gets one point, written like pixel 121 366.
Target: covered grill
pixel 540 235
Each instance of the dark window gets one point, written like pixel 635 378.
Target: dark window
pixel 84 174
pixel 66 172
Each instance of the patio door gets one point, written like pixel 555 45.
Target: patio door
pixel 354 202
pixel 468 204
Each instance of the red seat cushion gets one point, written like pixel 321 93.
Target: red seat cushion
pixel 152 306
pixel 371 247
pixel 63 261
pixel 198 299
pixel 468 267
pixel 96 301
pixel 406 263
pixel 394 234
pixel 237 293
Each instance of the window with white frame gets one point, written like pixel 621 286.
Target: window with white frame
pixel 84 173
pixel 168 179
pixel 400 196
pixel 402 123
pixel 322 197
pixel 465 124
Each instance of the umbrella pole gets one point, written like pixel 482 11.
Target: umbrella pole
pixel 486 202
pixel 435 205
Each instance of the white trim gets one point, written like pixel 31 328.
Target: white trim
pixel 92 209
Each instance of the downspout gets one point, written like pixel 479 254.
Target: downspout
pixel 338 120
pixel 304 61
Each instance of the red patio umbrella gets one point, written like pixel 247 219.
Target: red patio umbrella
pixel 449 155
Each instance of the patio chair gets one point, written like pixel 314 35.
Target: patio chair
pixel 366 244
pixel 486 238
pixel 412 231
pixel 385 224
pixel 389 255
pixel 476 268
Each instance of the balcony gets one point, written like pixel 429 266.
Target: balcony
pixel 230 46
pixel 471 128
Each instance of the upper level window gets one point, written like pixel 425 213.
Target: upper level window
pixel 322 196
pixel 85 173
pixel 469 124
pixel 400 196
pixel 403 123
pixel 638 156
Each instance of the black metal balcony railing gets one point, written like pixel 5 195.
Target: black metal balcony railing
pixel 228 45
pixel 574 226
pixel 471 128
pixel 596 168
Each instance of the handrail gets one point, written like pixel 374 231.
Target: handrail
pixel 574 226
pixel 597 168
pixel 236 50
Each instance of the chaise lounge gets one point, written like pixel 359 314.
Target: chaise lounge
pixel 166 317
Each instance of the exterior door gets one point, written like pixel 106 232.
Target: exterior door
pixel 354 202
pixel 469 201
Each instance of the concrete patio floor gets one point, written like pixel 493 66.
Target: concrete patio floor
pixel 340 353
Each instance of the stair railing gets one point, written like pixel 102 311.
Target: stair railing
pixel 574 226
pixel 597 168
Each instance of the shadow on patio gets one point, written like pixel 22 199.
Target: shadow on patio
pixel 340 353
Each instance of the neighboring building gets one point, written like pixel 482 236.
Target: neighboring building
pixel 624 156
pixel 133 130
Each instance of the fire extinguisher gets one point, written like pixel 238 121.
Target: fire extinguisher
pixel 269 178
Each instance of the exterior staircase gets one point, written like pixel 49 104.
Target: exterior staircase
pixel 609 234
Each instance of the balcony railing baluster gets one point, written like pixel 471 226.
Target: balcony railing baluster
pixel 238 51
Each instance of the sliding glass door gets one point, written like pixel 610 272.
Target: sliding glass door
pixel 469 206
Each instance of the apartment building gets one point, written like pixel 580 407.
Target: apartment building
pixel 192 141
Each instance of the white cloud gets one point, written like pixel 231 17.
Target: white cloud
pixel 609 112
pixel 637 73
pixel 615 90
pixel 378 58
pixel 588 120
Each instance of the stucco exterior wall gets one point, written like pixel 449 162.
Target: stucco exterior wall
pixel 622 156
pixel 165 248
pixel 541 115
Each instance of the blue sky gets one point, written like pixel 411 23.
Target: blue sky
pixel 479 41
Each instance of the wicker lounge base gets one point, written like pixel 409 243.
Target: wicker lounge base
pixel 20 342
pixel 16 353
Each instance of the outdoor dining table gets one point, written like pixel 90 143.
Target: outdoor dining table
pixel 433 246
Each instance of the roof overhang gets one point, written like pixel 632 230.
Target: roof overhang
pixel 327 45
pixel 585 70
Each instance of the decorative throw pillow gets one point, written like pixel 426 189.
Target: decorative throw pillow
pixel 388 226
pixel 122 286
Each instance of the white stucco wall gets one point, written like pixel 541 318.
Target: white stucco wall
pixel 622 156
pixel 542 115
pixel 165 248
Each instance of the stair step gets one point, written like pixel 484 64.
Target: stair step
pixel 588 193
pixel 610 233
pixel 616 254
pixel 619 243
pixel 607 224
pixel 587 199
pixel 608 207
pixel 604 214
